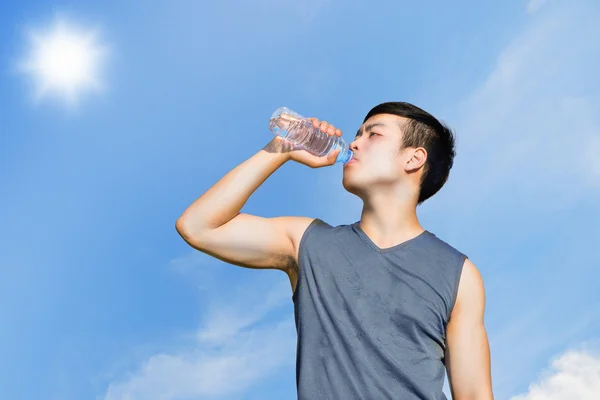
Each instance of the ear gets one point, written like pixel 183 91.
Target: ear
pixel 416 160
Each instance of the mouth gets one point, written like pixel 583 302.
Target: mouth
pixel 351 162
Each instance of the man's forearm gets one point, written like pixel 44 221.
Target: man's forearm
pixel 224 200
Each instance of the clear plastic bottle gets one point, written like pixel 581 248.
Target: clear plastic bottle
pixel 300 131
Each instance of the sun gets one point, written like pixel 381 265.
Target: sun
pixel 64 62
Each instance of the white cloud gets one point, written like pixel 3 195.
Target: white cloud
pixel 205 373
pixel 237 345
pixel 535 5
pixel 574 375
pixel 527 338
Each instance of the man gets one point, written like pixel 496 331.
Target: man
pixel 381 305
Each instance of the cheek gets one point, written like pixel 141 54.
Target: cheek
pixel 387 167
pixel 385 161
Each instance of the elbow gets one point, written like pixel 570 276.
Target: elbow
pixel 182 227
pixel 190 233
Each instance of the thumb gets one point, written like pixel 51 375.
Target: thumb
pixel 332 157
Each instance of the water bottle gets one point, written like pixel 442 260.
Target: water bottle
pixel 300 131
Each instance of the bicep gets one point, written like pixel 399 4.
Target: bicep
pixel 468 354
pixel 253 242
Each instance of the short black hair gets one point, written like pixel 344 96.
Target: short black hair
pixel 424 130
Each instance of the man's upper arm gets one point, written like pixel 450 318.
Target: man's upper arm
pixel 253 242
pixel 467 346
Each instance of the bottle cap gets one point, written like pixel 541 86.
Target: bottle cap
pixel 346 156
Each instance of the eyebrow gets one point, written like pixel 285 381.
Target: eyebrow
pixel 369 127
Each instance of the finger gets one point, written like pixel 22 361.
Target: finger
pixel 331 130
pixel 324 126
pixel 338 132
pixel 323 161
pixel 315 121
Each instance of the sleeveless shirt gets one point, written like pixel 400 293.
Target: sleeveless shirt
pixel 371 322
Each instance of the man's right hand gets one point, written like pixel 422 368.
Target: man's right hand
pixel 295 153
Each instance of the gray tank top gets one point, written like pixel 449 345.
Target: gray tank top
pixel 371 322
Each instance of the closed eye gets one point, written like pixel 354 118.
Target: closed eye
pixel 370 134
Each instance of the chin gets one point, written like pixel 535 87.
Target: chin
pixel 351 185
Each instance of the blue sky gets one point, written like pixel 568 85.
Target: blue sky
pixel 101 299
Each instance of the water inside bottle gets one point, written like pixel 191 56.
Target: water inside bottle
pixel 281 124
pixel 302 133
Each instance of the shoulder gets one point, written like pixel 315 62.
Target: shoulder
pixel 471 291
pixel 297 226
pixel 297 229
pixel 463 274
pixel 470 277
pixel 438 249
pixel 442 244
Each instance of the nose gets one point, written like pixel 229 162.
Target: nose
pixel 353 145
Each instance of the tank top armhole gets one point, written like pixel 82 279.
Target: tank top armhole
pixel 300 248
pixel 459 267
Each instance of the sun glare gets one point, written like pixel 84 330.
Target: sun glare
pixel 64 62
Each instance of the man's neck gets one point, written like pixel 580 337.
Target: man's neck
pixel 390 221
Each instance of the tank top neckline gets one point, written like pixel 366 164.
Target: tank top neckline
pixel 356 227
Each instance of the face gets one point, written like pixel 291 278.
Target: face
pixel 379 161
